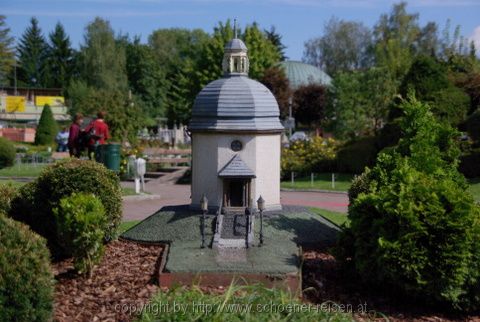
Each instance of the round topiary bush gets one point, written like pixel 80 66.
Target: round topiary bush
pixel 26 280
pixel 355 156
pixel 35 202
pixel 7 153
pixel 7 193
pixel 414 226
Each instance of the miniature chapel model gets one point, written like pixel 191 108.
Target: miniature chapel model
pixel 236 130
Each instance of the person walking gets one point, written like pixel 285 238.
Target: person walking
pixel 98 132
pixel 62 140
pixel 74 144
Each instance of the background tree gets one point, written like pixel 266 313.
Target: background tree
pixel 309 104
pixel 359 102
pixel 146 78
pixel 47 127
pixel 395 36
pixel 32 56
pixel 277 82
pixel 7 52
pixel 344 46
pixel 102 60
pixel 428 78
pixel 60 58
pixel 276 39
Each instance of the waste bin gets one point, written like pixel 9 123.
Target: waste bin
pixel 109 155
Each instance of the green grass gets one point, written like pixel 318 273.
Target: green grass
pixel 124 226
pixel 322 181
pixel 338 218
pixel 16 184
pixel 475 188
pixel 22 170
pixel 238 303
pixel 127 191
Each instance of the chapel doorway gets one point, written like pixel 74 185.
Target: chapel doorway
pixel 236 193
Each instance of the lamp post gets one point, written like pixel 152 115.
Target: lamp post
pixel 261 208
pixel 204 206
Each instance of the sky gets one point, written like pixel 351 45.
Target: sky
pixel 296 20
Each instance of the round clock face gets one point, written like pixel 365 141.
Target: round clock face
pixel 236 145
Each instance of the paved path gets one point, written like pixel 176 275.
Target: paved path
pixel 171 194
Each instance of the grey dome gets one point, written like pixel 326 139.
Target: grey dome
pixel 235 44
pixel 235 103
pixel 300 74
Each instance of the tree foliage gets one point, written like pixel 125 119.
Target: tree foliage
pixel 344 46
pixel 309 104
pixel 414 227
pixel 47 127
pixel 60 58
pixel 276 81
pixel 32 54
pixel 359 102
pixel 7 52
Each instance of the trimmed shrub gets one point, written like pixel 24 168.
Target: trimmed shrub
pixel 80 221
pixel 414 227
pixel 7 153
pixel 36 200
pixel 26 281
pixel 7 193
pixel 354 157
pixel 47 127
pixel 315 155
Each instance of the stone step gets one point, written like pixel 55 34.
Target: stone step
pixel 234 226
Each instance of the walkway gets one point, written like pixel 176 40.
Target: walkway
pixel 166 193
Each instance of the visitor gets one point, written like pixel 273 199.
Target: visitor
pixel 98 133
pixel 62 140
pixel 74 144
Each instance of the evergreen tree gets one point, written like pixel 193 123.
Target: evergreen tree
pixel 276 39
pixel 47 127
pixel 60 58
pixel 32 56
pixel 7 52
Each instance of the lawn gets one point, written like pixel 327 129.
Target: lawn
pixel 22 170
pixel 321 181
pixel 337 218
pixel 124 226
pixel 475 188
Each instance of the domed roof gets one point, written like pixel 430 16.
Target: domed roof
pixel 300 74
pixel 235 44
pixel 237 103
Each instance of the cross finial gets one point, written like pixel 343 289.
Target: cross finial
pixel 235 28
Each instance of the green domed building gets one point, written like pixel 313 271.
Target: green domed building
pixel 300 74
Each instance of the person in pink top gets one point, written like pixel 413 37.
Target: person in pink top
pixel 98 131
pixel 74 146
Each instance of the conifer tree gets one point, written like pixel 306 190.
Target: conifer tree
pixel 60 58
pixel 47 127
pixel 7 52
pixel 32 56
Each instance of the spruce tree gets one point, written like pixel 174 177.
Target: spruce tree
pixel 7 52
pixel 60 58
pixel 47 127
pixel 32 55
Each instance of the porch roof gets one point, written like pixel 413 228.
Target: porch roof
pixel 236 168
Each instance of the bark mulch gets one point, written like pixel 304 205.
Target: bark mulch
pixel 323 281
pixel 123 282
